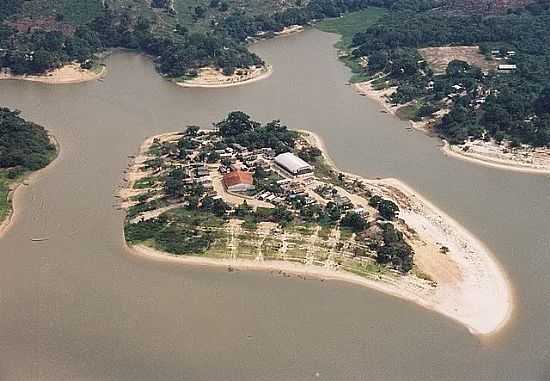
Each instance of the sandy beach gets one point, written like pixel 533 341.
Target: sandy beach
pixel 212 78
pixel 471 288
pixel 479 152
pixel 490 155
pixel 71 73
pixel 481 297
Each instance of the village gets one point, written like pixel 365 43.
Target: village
pixel 226 200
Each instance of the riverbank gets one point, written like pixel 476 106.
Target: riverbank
pixel 26 180
pixel 472 288
pixel 71 73
pixel 465 283
pixel 213 78
pixel 527 160
pixel 490 154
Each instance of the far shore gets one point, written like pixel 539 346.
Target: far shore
pixel 212 78
pixel 70 73
pixel 26 180
pixel 472 289
pixel 481 157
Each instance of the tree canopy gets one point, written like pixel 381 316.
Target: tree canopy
pixel 23 144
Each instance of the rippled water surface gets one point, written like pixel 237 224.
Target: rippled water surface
pixel 79 306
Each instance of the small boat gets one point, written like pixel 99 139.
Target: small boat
pixel 100 79
pixel 39 239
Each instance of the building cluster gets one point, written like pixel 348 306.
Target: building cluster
pixel 507 55
pixel 286 181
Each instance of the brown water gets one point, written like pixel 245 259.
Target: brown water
pixel 79 306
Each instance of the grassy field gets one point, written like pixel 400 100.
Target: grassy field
pixel 346 26
pixel 351 23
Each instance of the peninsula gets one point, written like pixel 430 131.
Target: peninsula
pixel 478 82
pixel 25 148
pixel 211 77
pixel 68 73
pixel 253 196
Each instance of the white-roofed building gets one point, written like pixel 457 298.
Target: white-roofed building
pixel 293 164
pixel 507 67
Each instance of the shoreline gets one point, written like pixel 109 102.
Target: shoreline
pixel 487 161
pixel 27 180
pixel 223 81
pixel 454 151
pixel 497 275
pixel 481 299
pixel 67 74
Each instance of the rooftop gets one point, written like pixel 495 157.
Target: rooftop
pixel 291 162
pixel 237 177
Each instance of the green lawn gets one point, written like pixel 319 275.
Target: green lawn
pixel 346 26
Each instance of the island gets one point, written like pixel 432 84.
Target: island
pixel 247 195
pixel 475 77
pixel 25 148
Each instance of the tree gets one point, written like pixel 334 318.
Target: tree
pixel 192 130
pixel 388 209
pixel 236 123
pixel 200 11
pixel 354 221
pixel 457 67
pixel 23 144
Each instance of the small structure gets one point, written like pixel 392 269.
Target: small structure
pixel 507 68
pixel 238 181
pixel 293 164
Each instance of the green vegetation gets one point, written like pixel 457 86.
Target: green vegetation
pixel 347 26
pixel 512 106
pixel 5 205
pixel 351 23
pixel 239 128
pixel 183 35
pixel 24 147
pixel 200 219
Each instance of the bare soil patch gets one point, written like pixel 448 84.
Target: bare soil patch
pixel 439 57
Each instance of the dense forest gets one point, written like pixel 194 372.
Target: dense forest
pixel 512 106
pixel 214 34
pixel 23 145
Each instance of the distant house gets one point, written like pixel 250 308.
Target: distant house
pixel 238 181
pixel 507 67
pixel 293 164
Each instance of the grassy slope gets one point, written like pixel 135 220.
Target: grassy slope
pixel 346 26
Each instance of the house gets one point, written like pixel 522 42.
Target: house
pixel 507 68
pixel 205 181
pixel 293 164
pixel 238 181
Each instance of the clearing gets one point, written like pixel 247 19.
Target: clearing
pixel 439 57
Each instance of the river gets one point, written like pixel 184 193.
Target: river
pixel 80 306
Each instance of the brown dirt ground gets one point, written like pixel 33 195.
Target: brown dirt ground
pixel 439 57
